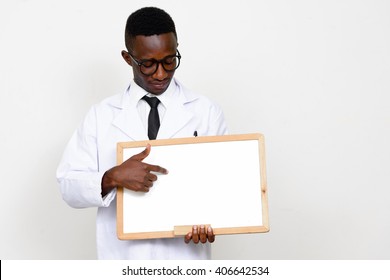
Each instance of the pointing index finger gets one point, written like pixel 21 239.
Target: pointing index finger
pixel 156 168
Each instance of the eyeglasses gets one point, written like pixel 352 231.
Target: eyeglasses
pixel 149 66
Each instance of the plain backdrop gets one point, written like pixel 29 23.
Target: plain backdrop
pixel 312 76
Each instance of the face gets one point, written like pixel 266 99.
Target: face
pixel 152 47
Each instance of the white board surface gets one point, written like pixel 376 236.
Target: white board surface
pixel 216 183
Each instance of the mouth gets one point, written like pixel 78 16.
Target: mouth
pixel 160 85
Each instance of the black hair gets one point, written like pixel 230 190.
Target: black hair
pixel 148 21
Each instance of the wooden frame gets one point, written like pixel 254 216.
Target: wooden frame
pixel 224 184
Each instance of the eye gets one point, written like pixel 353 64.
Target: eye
pixel 170 60
pixel 148 63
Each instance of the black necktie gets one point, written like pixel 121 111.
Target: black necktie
pixel 154 119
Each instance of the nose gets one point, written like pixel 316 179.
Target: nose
pixel 160 74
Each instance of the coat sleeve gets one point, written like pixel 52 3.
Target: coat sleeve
pixel 78 173
pixel 217 123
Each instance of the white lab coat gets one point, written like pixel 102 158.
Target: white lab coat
pixel 92 150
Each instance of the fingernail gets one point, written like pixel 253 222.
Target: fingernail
pixel 209 229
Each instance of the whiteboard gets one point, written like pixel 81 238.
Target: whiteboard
pixel 212 180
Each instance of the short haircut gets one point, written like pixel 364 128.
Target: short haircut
pixel 148 21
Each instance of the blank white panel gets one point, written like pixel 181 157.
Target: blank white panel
pixel 216 183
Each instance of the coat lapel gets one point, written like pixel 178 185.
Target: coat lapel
pixel 128 119
pixel 176 117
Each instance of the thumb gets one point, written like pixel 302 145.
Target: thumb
pixel 142 155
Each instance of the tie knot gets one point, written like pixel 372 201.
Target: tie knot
pixel 152 101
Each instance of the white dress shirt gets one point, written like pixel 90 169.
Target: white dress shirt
pixel 144 108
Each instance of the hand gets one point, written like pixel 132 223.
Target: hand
pixel 200 233
pixel 132 174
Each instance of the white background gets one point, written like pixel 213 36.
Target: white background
pixel 312 76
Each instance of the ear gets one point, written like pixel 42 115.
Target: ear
pixel 127 58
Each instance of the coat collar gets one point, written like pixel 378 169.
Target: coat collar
pixel 176 115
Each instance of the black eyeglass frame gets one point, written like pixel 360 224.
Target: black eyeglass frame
pixel 140 63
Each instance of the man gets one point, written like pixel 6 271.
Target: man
pixel 87 173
